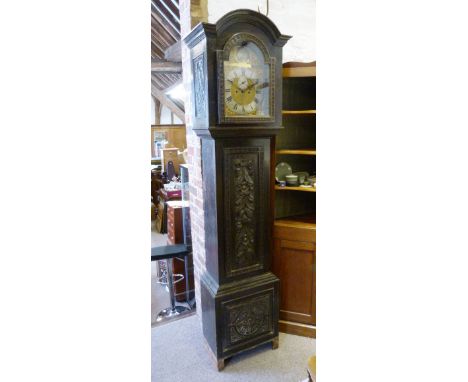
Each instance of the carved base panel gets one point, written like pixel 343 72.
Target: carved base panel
pixel 240 316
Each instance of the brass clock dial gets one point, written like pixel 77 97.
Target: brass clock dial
pixel 241 92
pixel 246 80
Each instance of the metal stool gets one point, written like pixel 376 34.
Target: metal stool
pixel 168 252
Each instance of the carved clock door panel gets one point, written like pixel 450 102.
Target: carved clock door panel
pixel 245 183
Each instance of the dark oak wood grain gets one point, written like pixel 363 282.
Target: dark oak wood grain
pixel 239 293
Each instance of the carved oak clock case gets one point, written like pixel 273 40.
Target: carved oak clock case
pixel 236 110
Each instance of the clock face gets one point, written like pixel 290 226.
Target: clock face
pixel 246 81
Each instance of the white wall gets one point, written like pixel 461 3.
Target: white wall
pixel 153 112
pixel 165 115
pixel 295 18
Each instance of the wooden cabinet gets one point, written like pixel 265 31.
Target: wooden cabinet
pixel 294 264
pixel 174 224
pixel 294 233
pixel 175 235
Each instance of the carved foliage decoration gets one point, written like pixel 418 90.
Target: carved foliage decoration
pixel 199 85
pixel 244 209
pixel 249 319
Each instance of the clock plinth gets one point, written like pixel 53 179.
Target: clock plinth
pixel 236 111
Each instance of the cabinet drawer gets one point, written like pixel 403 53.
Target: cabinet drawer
pixel 170 213
pixel 294 233
pixel 170 226
pixel 170 217
pixel 170 239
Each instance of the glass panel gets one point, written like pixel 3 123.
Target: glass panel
pixel 246 82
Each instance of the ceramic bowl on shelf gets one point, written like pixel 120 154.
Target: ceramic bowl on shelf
pixel 291 180
pixel 302 176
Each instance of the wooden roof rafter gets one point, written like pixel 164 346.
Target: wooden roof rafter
pixel 164 25
pixel 166 69
pixel 164 8
pixel 163 66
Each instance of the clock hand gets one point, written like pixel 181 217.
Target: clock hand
pixel 261 86
pixel 264 85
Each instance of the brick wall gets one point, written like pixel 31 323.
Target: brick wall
pixel 191 13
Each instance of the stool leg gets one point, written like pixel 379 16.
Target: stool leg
pixel 170 283
pixel 173 310
pixel 187 285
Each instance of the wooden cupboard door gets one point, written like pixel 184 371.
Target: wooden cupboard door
pixel 294 265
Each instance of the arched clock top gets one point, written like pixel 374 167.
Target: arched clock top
pixel 244 38
pixel 256 19
pixel 236 71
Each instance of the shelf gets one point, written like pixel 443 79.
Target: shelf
pixel 303 189
pixel 299 112
pixel 299 69
pixel 301 221
pixel 297 152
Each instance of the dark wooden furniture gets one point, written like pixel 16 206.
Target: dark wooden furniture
pixel 168 253
pixel 175 235
pixel 174 223
pixel 164 197
pixel 294 258
pixel 239 293
pixel 156 184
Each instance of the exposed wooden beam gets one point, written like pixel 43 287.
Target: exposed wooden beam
pixel 166 101
pixel 161 35
pixel 174 52
pixel 165 12
pixel 174 85
pixel 160 45
pixel 155 51
pixel 158 82
pixel 163 23
pixel 157 111
pixel 173 8
pixel 162 66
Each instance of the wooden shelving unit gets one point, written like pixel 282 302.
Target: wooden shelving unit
pixel 299 69
pixel 296 152
pixel 290 188
pixel 299 112
pixel 301 221
pixel 294 233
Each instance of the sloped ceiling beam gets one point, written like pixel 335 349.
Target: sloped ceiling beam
pixel 174 52
pixel 166 101
pixel 163 66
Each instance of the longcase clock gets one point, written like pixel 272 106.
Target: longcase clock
pixel 236 111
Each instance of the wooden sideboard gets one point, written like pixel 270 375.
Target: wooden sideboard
pixel 294 263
